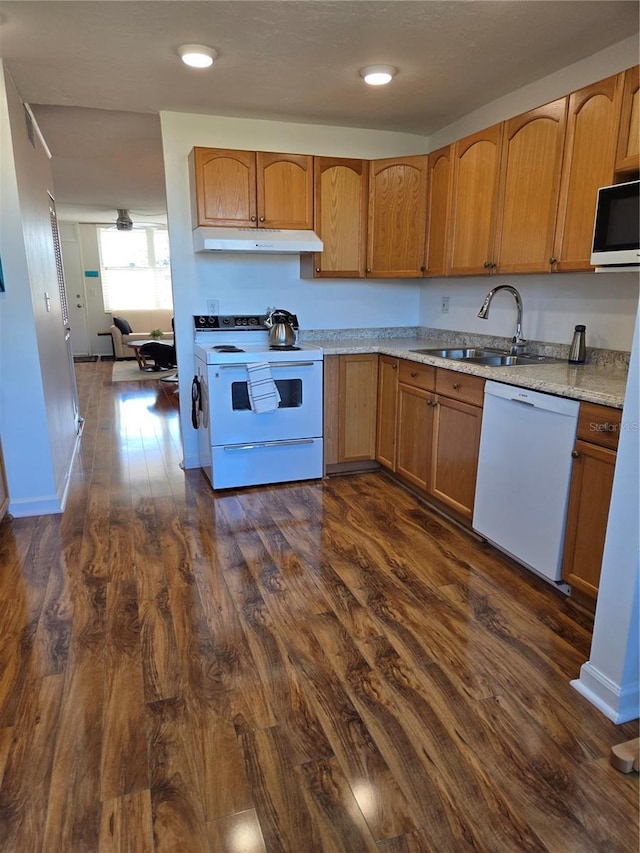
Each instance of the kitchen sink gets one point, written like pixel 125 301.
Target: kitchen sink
pixel 488 357
pixel 512 360
pixel 459 353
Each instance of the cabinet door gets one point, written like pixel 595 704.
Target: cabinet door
pixel 397 217
pixel 529 187
pixel 387 402
pixel 628 157
pixel 587 515
pixel 223 190
pixel 341 198
pixel 414 435
pixel 438 211
pixel 588 163
pixel 474 198
pixel 456 444
pixel 285 190
pixel 357 406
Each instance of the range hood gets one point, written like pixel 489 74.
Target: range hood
pixel 264 240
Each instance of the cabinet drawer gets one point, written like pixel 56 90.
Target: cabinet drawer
pixel 460 386
pixel 599 425
pixel 416 374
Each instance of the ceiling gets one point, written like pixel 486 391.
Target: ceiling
pixel 97 74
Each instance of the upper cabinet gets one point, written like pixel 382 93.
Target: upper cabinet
pixel 341 201
pixel 251 189
pixel 589 154
pixel 474 200
pixel 530 168
pixel 397 217
pixel 628 155
pixel 439 181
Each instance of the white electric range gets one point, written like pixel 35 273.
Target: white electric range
pixel 239 445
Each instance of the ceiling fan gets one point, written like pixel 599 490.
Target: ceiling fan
pixel 124 221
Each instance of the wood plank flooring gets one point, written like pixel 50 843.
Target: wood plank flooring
pixel 304 668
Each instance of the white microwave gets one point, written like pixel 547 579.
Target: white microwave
pixel 616 232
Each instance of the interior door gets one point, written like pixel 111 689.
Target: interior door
pixel 76 297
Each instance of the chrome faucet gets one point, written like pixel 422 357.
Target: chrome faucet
pixel 518 343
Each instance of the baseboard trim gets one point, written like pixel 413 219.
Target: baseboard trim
pixel 616 704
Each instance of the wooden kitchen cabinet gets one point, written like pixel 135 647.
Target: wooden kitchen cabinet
pixel 397 217
pixel 594 459
pixel 474 202
pixel 588 163
pixel 439 415
pixel 414 425
pixel 439 183
pixel 350 399
pixel 251 189
pixel 456 439
pixel 386 414
pixel 628 153
pixel 530 166
pixel 340 218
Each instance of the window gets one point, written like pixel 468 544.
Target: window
pixel 135 268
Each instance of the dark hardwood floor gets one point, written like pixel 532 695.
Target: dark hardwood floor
pixel 325 666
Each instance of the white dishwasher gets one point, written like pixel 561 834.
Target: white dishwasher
pixel 524 472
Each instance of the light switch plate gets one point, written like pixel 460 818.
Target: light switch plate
pixel 213 306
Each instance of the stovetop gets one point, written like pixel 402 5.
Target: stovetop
pixel 224 339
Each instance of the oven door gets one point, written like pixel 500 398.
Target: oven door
pixel 298 416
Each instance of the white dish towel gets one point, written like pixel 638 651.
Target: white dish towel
pixel 263 393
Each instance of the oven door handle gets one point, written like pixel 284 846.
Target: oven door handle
pixel 271 364
pixel 259 444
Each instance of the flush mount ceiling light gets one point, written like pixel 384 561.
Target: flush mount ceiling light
pixel 197 55
pixel 378 75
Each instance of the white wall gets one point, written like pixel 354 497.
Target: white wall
pixel 610 679
pixel 251 283
pixel 37 386
pixel 552 305
pixel 600 65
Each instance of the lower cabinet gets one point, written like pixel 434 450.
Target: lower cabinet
pixel 386 416
pixel 435 437
pixel 350 400
pixel 594 459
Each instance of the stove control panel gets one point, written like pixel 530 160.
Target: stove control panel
pixel 228 322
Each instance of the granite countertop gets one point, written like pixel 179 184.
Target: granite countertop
pixel 594 383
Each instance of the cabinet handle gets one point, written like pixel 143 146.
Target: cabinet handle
pixel 262 219
pixel 394 367
pixel 253 218
pixel 429 402
pixel 455 386
pixel 575 454
pixel 423 269
pixel 414 373
pixel 368 269
pixel 317 269
pixel 553 260
pixel 487 265
pixel 494 265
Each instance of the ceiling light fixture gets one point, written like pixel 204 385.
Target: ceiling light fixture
pixel 378 75
pixel 197 55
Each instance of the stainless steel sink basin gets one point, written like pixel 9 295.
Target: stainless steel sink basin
pixel 512 360
pixel 459 353
pixel 488 357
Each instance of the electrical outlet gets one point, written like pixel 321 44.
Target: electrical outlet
pixel 213 306
pixel 444 304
